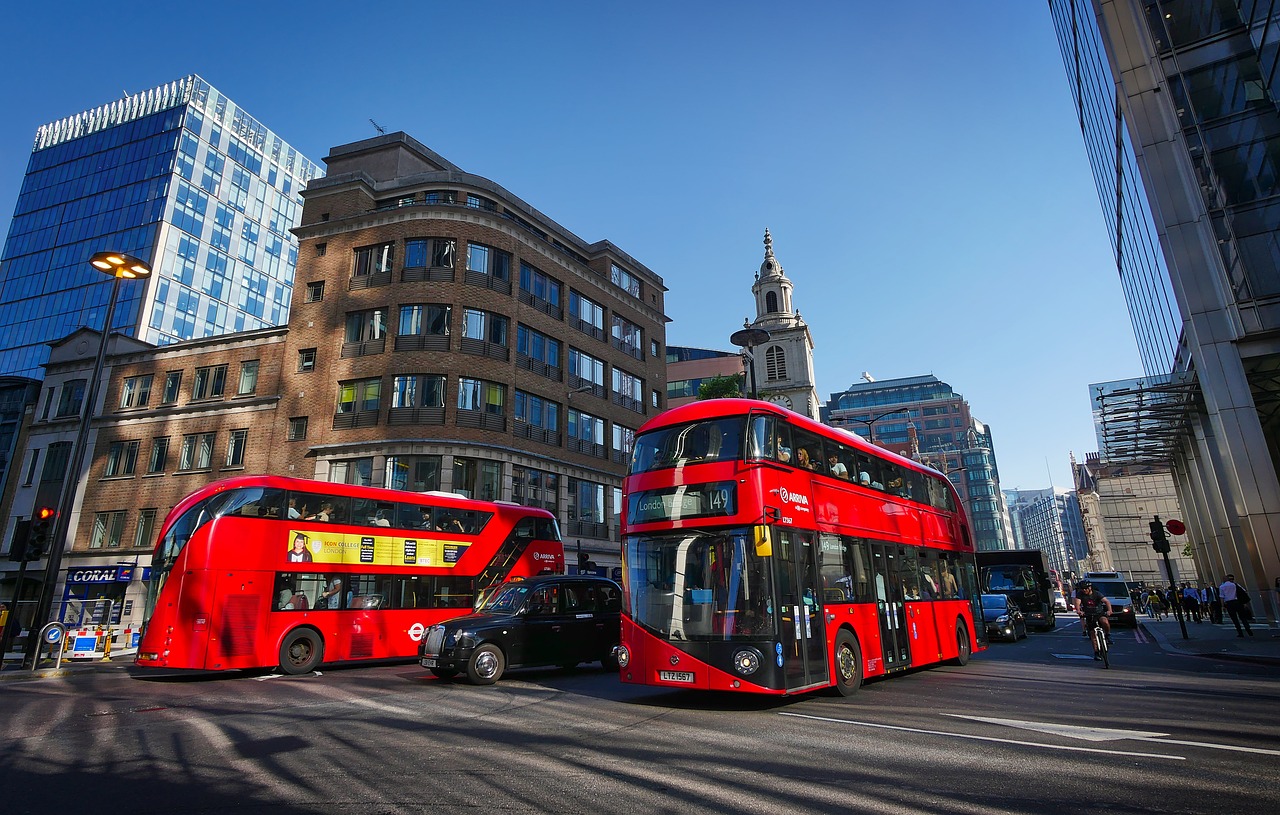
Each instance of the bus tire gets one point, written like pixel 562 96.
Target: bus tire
pixel 302 651
pixel 444 673
pixel 964 649
pixel 486 665
pixel 848 664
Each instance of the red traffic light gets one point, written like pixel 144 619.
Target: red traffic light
pixel 44 513
pixel 1175 526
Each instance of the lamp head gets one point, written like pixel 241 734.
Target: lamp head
pixel 118 264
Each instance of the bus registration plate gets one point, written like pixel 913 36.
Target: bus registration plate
pixel 430 663
pixel 676 676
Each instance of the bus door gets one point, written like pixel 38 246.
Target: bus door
pixel 890 606
pixel 802 634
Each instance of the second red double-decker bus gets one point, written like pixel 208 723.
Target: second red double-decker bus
pixel 766 552
pixel 257 571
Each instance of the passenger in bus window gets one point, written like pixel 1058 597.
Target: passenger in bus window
pixel 294 514
pixel 947 581
pixel 802 459
pixel 380 518
pixel 424 519
pixel 451 524
pixel 325 515
pixel 837 469
pixel 331 597
pixel 783 451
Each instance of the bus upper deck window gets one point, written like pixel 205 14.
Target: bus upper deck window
pixel 760 438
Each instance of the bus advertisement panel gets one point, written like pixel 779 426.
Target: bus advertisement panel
pixel 260 571
pixel 765 552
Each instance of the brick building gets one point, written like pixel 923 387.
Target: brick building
pixel 444 335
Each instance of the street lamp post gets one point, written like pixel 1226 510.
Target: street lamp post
pixel 121 267
pixel 871 432
pixel 747 338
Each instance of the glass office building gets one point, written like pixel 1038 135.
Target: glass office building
pixel 177 175
pixel 1179 105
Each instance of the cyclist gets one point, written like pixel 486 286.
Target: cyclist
pixel 1092 607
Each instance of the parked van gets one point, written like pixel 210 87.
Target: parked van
pixel 1115 588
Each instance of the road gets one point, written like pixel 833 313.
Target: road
pixel 1024 728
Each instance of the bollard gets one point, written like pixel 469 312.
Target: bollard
pixel 106 647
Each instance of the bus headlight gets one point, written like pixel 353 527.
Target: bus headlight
pixel 623 656
pixel 746 661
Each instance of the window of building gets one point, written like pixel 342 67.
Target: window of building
pixel 627 336
pixel 655 350
pixel 360 396
pixel 72 398
pixel 775 363
pixel 417 390
pixel 434 252
pixel 484 326
pixel 352 471
pixel 413 473
pixel 537 411
pixel 248 378
pixel 159 455
pixel 625 281
pixel 585 427
pixel 55 462
pixel 624 441
pixel 235 448
pixel 489 261
pixel 586 502
pixel 655 399
pixel 322 249
pixel 538 286
pixel 771 302
pixel 209 382
pixel 136 391
pixel 363 326
pixel 585 369
pixel 172 387
pixel 122 457
pixel 535 488
pixel 31 467
pixel 315 292
pixel 306 360
pixel 197 451
pixel 538 352
pixel 298 428
pixel 143 537
pixel 479 202
pixel 425 319
pixel 588 316
pixel 108 529
pixel 477 478
pixel 372 260
pixel 479 395
pixel 628 390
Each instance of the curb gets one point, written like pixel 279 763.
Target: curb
pixel 1167 645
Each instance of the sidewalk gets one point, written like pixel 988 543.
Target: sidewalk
pixel 1218 641
pixel 12 669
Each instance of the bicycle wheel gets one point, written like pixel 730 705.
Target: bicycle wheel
pixel 1103 650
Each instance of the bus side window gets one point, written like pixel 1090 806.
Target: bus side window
pixel 760 437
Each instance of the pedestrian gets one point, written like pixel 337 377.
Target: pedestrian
pixel 1236 600
pixel 1191 602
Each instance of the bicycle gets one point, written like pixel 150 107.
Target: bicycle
pixel 1101 648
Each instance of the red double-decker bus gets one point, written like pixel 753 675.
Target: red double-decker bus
pixel 258 571
pixel 766 552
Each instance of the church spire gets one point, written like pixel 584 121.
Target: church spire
pixel 771 267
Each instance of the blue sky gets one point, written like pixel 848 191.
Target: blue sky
pixel 919 165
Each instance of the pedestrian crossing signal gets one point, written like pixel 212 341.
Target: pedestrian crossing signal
pixel 1159 540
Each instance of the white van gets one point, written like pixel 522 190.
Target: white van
pixel 1115 588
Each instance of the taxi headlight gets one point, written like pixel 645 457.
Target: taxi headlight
pixel 746 661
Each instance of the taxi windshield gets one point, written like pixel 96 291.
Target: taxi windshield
pixel 506 599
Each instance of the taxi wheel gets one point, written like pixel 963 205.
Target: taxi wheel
pixel 610 661
pixel 848 660
pixel 444 673
pixel 302 651
pixel 486 665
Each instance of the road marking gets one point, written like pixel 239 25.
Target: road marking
pixel 1106 734
pixel 1073 656
pixel 1064 747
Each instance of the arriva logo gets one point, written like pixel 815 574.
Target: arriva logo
pixel 544 556
pixel 792 498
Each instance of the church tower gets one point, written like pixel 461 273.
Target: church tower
pixel 783 363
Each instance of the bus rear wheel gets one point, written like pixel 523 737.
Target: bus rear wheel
pixel 848 659
pixel 302 651
pixel 486 665
pixel 964 649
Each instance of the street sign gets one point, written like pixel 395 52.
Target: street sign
pixel 1175 526
pixel 53 636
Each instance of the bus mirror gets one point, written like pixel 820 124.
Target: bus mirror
pixel 764 544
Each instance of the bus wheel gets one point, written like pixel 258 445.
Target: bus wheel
pixel 963 648
pixel 848 659
pixel 444 673
pixel 302 651
pixel 486 665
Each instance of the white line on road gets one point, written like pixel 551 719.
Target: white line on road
pixel 986 738
pixel 1106 734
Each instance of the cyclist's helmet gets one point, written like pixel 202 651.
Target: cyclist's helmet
pixel 1084 584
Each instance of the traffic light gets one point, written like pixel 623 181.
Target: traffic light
pixel 1159 540
pixel 41 532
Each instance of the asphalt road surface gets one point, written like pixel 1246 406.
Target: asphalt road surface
pixel 1029 727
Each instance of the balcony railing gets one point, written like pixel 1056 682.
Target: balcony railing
pixel 481 420
pixel 422 342
pixel 487 281
pixel 629 348
pixel 581 385
pixel 363 349
pixel 589 448
pixel 539 367
pixel 622 400
pixel 428 274
pixel 546 307
pixel 369 281
pixel 356 418
pixel 484 348
pixel 418 415
pixel 587 328
pixel 589 529
pixel 525 430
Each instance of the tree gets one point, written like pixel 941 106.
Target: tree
pixel 721 386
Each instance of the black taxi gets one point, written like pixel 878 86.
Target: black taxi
pixel 548 620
